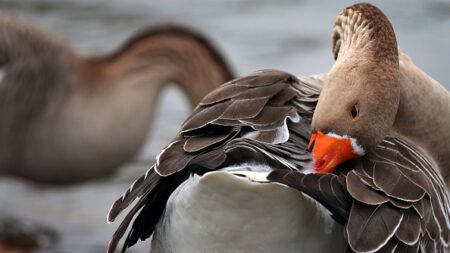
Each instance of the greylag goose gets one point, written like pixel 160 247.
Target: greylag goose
pixel 374 90
pixel 67 117
pixel 220 185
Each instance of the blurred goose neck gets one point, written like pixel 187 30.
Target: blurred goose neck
pixel 169 55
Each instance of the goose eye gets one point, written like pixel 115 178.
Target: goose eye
pixel 354 112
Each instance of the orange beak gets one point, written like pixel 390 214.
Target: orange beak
pixel 330 151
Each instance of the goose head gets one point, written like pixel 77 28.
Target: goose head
pixel 360 97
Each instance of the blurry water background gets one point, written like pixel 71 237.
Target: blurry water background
pixel 291 35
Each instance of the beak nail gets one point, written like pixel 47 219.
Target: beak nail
pixel 311 146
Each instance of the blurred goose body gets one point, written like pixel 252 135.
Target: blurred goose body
pixel 391 199
pixel 68 117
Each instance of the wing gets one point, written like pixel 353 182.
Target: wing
pixel 392 200
pixel 263 117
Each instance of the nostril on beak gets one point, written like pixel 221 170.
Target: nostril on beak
pixel 311 146
pixel 320 163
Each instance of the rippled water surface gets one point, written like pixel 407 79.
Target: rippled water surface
pixel 290 35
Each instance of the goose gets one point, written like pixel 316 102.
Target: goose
pixel 67 117
pixel 365 87
pixel 239 176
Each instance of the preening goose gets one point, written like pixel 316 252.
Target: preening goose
pixel 67 117
pixel 374 90
pixel 213 187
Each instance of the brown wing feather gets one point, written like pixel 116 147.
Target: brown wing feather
pixel 204 116
pixel 404 248
pixel 173 159
pixel 269 117
pixel 392 182
pixel 409 230
pixel 197 143
pixel 245 108
pixel 369 227
pixel 400 203
pixel 222 93
pixel 390 247
pixel 264 78
pixel 362 192
pixel 282 97
pixel 262 92
pixel 123 226
pixel 143 184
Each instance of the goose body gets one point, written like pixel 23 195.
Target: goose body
pixel 235 214
pixel 69 117
pixel 392 199
pixel 352 197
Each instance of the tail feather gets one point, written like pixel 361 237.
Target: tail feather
pixel 153 192
pixel 146 183
pixel 124 225
pixel 153 205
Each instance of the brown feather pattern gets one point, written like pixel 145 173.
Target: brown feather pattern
pixel 391 200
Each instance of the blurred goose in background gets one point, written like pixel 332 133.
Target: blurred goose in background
pixel 67 117
pixel 220 185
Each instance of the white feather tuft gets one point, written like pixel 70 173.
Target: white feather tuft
pixel 358 149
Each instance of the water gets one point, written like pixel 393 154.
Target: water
pixel 290 35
